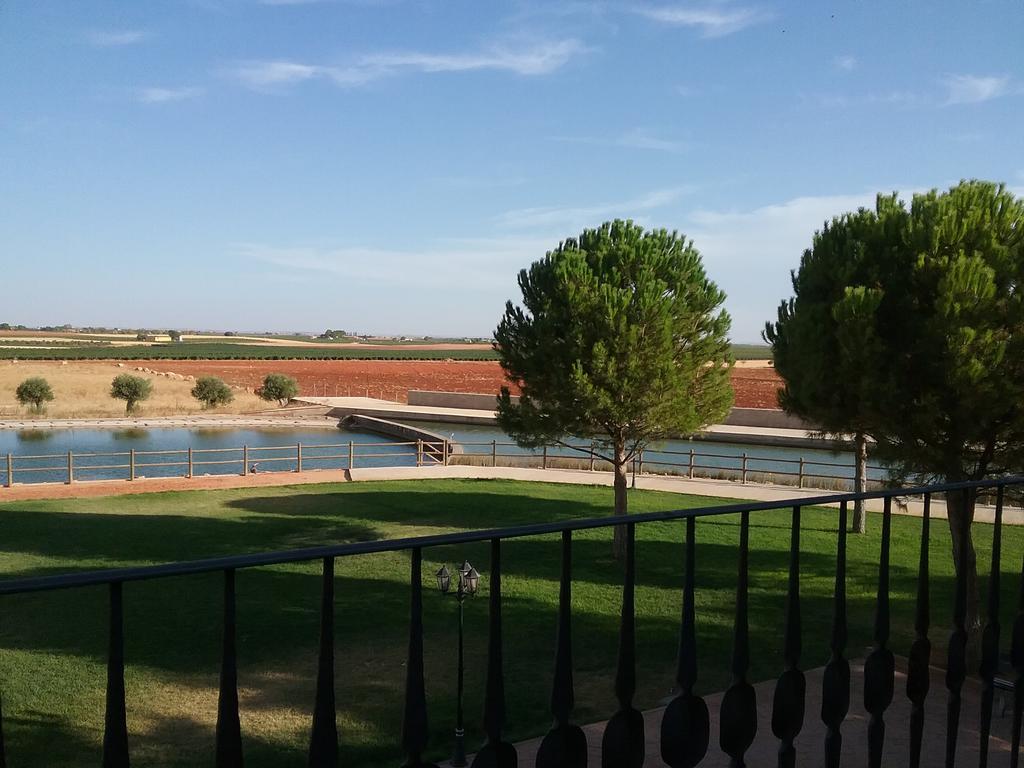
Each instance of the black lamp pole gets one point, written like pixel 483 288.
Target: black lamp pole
pixel 467 585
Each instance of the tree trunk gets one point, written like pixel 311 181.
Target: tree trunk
pixel 860 483
pixel 621 486
pixel 960 511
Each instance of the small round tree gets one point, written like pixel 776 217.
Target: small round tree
pixel 131 389
pixel 277 386
pixel 622 340
pixel 211 392
pixel 34 392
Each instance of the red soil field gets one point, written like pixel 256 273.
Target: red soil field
pixel 391 379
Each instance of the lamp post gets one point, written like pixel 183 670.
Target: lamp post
pixel 467 585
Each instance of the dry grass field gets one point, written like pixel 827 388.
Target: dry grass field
pixel 82 390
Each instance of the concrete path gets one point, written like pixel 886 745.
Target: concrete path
pixel 809 743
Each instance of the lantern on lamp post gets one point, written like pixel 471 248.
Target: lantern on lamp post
pixel 466 586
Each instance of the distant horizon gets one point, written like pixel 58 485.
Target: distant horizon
pixel 294 332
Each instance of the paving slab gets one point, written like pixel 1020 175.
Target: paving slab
pixel 809 743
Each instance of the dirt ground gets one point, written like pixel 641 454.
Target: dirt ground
pixel 756 387
pixel 82 387
pixel 82 390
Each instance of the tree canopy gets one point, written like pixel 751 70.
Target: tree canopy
pixel 620 339
pixel 212 391
pixel 34 391
pixel 823 341
pixel 131 389
pixel 278 386
pixel 934 310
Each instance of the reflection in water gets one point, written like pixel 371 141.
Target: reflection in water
pixel 132 433
pixel 34 435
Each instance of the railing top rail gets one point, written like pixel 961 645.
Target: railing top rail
pixel 107 576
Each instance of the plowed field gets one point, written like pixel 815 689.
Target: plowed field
pixel 391 379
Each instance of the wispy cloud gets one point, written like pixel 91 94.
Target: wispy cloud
pixel 156 95
pixel 749 253
pixel 636 138
pixel 972 89
pixel 845 63
pixel 907 99
pixel 454 263
pixel 712 20
pixel 538 59
pixel 99 38
pixel 576 217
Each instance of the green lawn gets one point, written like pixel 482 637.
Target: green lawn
pixel 53 647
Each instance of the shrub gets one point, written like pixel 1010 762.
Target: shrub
pixel 211 392
pixel 131 389
pixel 34 391
pixel 278 386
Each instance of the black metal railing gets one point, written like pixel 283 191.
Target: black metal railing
pixel 685 727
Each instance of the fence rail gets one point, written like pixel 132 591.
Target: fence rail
pixel 298 457
pixel 685 727
pixel 245 459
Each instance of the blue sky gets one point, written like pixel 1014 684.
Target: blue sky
pixel 390 166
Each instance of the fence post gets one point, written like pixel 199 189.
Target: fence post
pixel 640 469
pixel 800 474
pixel 351 454
pixel 419 452
pixel 444 453
pixel 689 472
pixel 71 468
pixel 298 457
pixel 189 462
pixel 131 464
pixel 245 460
pixel 10 470
pixel 494 453
pixel 632 483
pixel 591 457
pixel 743 471
pixel 544 459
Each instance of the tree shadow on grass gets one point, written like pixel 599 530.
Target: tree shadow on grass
pixel 173 626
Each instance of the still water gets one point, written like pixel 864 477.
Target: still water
pixel 41 455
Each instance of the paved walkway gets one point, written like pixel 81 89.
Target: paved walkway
pixel 809 743
pixel 715 488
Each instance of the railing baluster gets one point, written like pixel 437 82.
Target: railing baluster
pixel 115 725
pixel 323 742
pixel 229 730
pixel 990 636
pixel 565 745
pixel 956 663
pixel 622 745
pixel 495 752
pixel 919 661
pixel 1017 661
pixel 738 714
pixel 879 668
pixel 686 726
pixel 835 685
pixel 3 751
pixel 414 721
pixel 788 704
